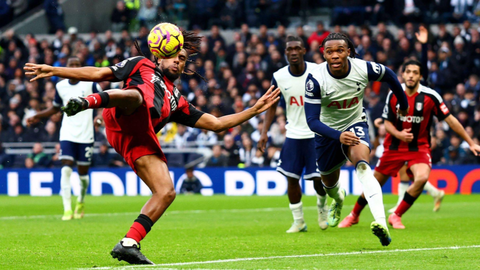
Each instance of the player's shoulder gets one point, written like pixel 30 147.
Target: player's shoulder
pixel 317 69
pixel 282 72
pixel 135 60
pixel 430 92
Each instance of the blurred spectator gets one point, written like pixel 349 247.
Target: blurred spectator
pixel 120 17
pixel 37 159
pixel 191 184
pixel 56 162
pixel 218 159
pixel 247 152
pixel 103 158
pixel 6 160
pixel 54 14
pixel 231 150
pixel 318 35
pixel 148 15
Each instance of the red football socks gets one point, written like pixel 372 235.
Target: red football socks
pixel 140 228
pixel 359 205
pixel 406 203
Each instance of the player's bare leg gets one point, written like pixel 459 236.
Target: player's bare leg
pixel 402 186
pixel 321 203
pixel 359 154
pixel 333 189
pixel 84 181
pixel 294 192
pixel 66 189
pixel 420 172
pixel 154 173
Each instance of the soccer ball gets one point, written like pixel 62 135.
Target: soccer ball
pixel 165 40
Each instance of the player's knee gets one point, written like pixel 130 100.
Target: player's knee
pixel 423 178
pixel 169 195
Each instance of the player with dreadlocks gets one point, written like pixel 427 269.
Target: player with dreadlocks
pixel 333 106
pixel 135 114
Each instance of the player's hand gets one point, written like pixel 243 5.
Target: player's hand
pixel 475 148
pixel 98 121
pixel 349 138
pixel 405 135
pixel 39 71
pixel 262 143
pixel 32 120
pixel 378 122
pixel 75 105
pixel 402 112
pixel 422 34
pixel 267 100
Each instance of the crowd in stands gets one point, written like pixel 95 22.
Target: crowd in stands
pixel 233 75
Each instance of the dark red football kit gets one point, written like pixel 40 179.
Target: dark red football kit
pixel 423 106
pixel 134 136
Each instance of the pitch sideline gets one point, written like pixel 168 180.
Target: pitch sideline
pixel 162 266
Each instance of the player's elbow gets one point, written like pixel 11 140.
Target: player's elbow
pixel 102 74
pixel 310 122
pixel 217 126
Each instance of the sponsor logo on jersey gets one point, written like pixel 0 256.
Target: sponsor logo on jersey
pixel 410 119
pixel 155 78
pixel 295 101
pixel 418 106
pixel 344 104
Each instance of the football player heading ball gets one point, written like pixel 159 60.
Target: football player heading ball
pixel 165 40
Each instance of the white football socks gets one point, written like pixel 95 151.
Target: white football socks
pixel 321 200
pixel 66 188
pixel 84 181
pixel 433 191
pixel 335 192
pixel 372 191
pixel 297 212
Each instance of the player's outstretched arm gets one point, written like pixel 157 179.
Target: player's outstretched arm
pixel 43 114
pixel 81 74
pixel 458 128
pixel 262 142
pixel 210 122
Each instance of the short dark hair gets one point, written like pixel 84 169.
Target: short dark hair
pixel 412 62
pixel 294 38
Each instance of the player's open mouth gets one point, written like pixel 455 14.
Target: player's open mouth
pixel 336 65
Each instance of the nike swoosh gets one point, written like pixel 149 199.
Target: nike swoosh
pixel 372 195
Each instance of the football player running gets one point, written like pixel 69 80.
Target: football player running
pixel 333 106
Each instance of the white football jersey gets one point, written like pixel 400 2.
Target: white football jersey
pixel 341 98
pixel 77 128
pixel 293 91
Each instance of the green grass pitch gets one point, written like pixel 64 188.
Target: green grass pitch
pixel 222 232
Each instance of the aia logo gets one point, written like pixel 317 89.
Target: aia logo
pixel 295 101
pixel 344 104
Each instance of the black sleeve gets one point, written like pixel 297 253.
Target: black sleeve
pixel 188 116
pixel 122 70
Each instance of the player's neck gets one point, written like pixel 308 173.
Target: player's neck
pixel 72 82
pixel 412 91
pixel 299 69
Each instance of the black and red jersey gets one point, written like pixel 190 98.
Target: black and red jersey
pixel 162 98
pixel 424 104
